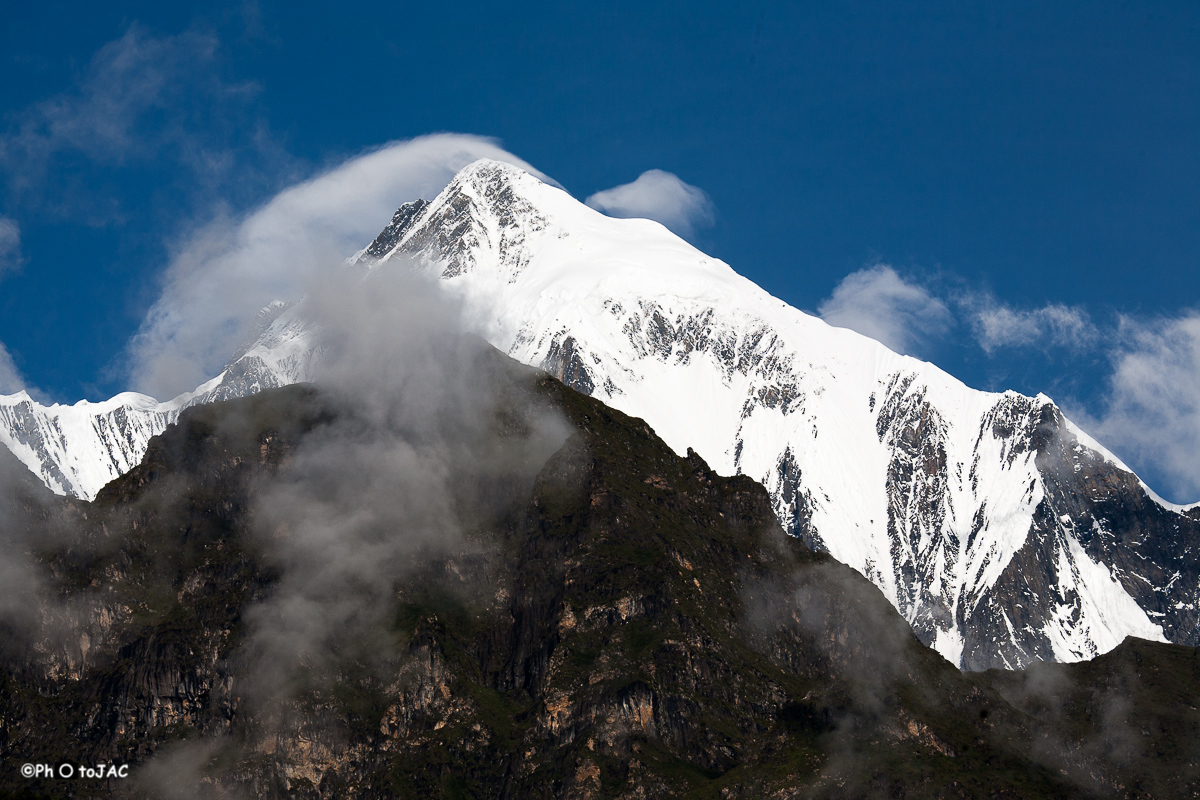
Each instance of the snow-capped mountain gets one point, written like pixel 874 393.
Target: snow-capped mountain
pixel 999 530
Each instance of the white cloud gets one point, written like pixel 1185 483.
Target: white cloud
pixel 220 278
pixel 878 303
pixel 660 196
pixel 1153 410
pixel 997 325
pixel 10 245
pixel 11 381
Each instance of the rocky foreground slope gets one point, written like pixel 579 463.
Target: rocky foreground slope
pixel 620 622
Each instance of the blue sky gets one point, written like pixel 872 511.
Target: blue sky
pixel 1012 192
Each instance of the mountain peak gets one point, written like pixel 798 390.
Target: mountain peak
pixel 500 190
pixel 401 222
pixel 962 506
pixel 482 196
pixel 489 207
pixel 488 169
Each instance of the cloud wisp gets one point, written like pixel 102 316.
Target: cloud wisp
pixel 10 246
pixel 220 277
pixel 11 380
pixel 142 100
pixel 997 326
pixel 879 303
pixel 662 197
pixel 906 313
pixel 21 583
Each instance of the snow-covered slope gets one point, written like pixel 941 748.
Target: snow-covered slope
pixel 77 449
pixel 999 530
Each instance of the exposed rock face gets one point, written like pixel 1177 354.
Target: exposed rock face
pixel 638 627
pixel 1091 513
pixel 390 236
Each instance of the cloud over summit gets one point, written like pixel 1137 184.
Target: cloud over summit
pixel 220 278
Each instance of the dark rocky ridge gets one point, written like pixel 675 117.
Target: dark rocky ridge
pixel 1124 722
pixel 390 236
pixel 640 627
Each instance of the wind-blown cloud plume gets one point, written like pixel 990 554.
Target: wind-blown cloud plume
pixel 10 377
pixel 221 277
pixel 877 302
pixel 662 197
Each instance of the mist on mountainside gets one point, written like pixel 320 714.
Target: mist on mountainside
pixel 20 581
pixel 414 460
